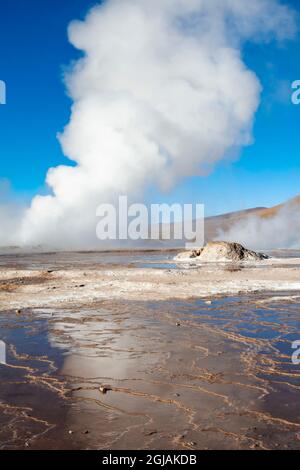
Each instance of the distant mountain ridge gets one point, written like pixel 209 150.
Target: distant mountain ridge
pixel 221 223
pixel 215 225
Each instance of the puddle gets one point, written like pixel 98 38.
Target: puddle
pixel 218 374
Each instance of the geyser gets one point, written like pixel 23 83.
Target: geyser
pixel 160 93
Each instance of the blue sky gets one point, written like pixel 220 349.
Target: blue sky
pixel 33 51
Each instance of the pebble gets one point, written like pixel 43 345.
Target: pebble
pixel 104 389
pixel 149 433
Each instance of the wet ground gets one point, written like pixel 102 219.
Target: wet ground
pixel 87 259
pixel 210 373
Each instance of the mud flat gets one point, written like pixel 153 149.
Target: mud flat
pixel 124 355
pixel 75 286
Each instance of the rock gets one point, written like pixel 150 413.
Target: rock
pixel 222 252
pixel 192 443
pixel 218 251
pixel 104 389
pixel 189 254
pixel 150 433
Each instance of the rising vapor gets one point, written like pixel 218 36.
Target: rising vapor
pixel 271 229
pixel 161 93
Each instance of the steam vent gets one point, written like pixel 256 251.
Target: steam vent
pixel 221 251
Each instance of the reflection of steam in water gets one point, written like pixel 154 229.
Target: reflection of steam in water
pixel 99 342
pixel 216 372
pixel 114 348
pixel 81 332
pixel 221 376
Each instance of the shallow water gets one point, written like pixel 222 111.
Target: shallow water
pixel 92 259
pixel 163 259
pixel 213 373
pixel 205 374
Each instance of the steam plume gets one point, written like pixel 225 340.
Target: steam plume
pixel 279 228
pixel 161 93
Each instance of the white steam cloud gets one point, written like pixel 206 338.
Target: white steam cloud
pixel 278 230
pixel 161 93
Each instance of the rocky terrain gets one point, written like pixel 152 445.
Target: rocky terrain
pixel 110 351
pixel 221 252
